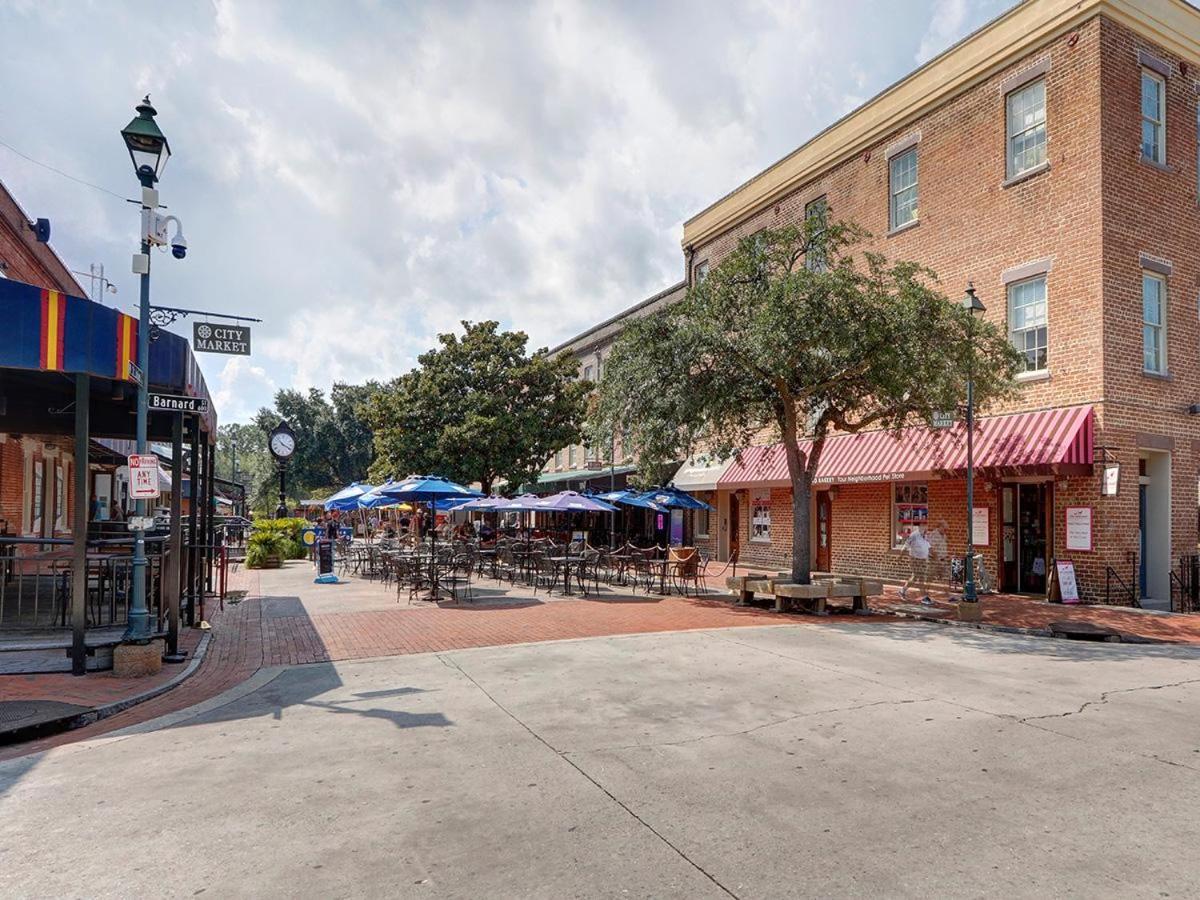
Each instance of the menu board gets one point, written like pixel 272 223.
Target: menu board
pixel 1079 529
pixel 1068 590
pixel 325 557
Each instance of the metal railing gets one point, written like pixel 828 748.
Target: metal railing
pixel 36 582
pixel 1185 585
pixel 1117 592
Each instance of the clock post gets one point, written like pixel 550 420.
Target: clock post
pixel 282 444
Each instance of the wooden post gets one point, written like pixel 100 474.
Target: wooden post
pixel 79 526
pixel 171 583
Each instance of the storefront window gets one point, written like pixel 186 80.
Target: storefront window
pixel 700 523
pixel 909 509
pixel 760 518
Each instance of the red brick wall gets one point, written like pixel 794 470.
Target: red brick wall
pixel 1093 212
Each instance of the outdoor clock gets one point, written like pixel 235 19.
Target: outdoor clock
pixel 282 442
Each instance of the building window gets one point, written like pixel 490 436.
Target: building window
pixel 760 518
pixel 700 523
pixel 1026 128
pixel 816 212
pixel 903 186
pixel 1197 150
pixel 36 501
pixel 909 509
pixel 701 272
pixel 60 499
pixel 1154 328
pixel 587 373
pixel 1027 321
pixel 558 456
pixel 1154 117
pixel 571 457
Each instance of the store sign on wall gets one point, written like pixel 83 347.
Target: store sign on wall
pixel 232 340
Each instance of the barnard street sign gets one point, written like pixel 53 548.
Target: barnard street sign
pixel 233 340
pixel 177 403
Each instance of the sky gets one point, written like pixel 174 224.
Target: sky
pixel 363 175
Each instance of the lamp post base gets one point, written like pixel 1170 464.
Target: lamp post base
pixel 137 660
pixel 970 611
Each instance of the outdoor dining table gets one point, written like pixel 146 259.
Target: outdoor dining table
pixel 565 563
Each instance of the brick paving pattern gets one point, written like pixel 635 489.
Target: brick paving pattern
pixel 244 639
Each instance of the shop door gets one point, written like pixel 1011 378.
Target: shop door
pixel 1024 558
pixel 1141 540
pixel 735 540
pixel 824 525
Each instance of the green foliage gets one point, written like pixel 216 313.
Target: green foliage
pixel 478 408
pixel 255 468
pixel 333 438
pixel 767 343
pixel 275 537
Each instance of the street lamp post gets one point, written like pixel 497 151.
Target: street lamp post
pixel 149 151
pixel 974 306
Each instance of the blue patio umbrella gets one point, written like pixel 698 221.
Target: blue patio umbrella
pixel 347 497
pixel 427 489
pixel 480 504
pixel 570 501
pixel 671 497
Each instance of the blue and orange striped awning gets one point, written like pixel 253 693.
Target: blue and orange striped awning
pixel 49 331
pixel 1049 437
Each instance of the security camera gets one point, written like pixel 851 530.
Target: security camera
pixel 179 246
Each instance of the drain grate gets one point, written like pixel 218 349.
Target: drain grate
pixel 1083 631
pixel 16 714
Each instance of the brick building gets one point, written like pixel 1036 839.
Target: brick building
pixel 36 472
pixel 1051 159
pixel 585 468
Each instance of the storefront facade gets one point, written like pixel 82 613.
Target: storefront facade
pixel 1031 159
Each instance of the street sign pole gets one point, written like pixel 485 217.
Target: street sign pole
pixel 138 620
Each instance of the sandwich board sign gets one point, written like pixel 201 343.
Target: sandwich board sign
pixel 143 476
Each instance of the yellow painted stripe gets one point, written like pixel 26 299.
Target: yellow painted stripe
pixel 52 360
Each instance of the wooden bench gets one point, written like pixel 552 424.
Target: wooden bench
pixel 813 597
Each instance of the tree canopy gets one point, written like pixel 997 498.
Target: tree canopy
pixel 478 408
pixel 800 333
pixel 333 440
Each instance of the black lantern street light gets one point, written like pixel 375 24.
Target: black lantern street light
pixel 149 151
pixel 974 307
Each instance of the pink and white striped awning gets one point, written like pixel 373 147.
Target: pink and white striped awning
pixel 1052 437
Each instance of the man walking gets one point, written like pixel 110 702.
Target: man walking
pixel 917 547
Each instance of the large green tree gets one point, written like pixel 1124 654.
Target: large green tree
pixel 478 408
pixel 333 439
pixel 799 332
pixel 254 467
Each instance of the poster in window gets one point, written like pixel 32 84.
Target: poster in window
pixel 1079 529
pixel 760 519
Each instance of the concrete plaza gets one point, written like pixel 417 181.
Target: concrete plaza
pixel 859 757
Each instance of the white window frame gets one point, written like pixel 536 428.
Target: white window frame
pixel 1160 326
pixel 587 373
pixel 760 501
pixel 707 519
pixel 1160 123
pixel 27 493
pixel 915 491
pixel 701 271
pixel 1044 324
pixel 571 457
pixel 1013 135
pixel 37 498
pixel 60 497
pixel 894 194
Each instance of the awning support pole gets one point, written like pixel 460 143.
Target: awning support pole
pixel 171 578
pixel 79 526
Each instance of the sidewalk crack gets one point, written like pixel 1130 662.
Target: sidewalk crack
pixel 1103 699
pixel 563 756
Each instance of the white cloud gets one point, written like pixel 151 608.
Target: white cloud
pixel 366 175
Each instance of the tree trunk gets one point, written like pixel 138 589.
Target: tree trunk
pixel 800 473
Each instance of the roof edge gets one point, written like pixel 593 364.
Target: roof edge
pixel 618 317
pixel 1015 33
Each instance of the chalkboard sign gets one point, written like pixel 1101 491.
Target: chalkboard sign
pixel 324 557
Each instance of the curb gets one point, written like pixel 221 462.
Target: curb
pixel 1009 629
pixel 95 714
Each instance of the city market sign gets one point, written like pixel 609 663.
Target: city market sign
pixel 232 340
pixel 177 403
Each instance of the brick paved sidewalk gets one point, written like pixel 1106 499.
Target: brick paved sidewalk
pixel 1010 611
